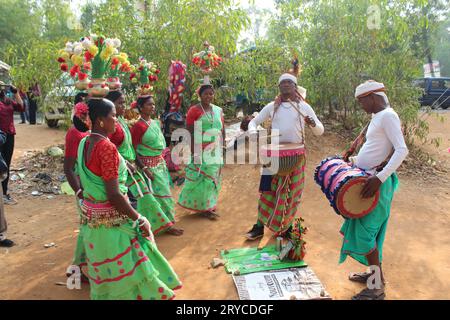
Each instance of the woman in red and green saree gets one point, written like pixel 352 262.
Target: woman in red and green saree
pixel 137 185
pixel 203 175
pixel 122 259
pixel 149 144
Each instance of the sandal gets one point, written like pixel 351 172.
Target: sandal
pixel 360 277
pixel 370 294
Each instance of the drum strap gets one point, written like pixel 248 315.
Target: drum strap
pixel 359 141
pixel 296 108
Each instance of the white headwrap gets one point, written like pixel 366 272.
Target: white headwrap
pixel 370 87
pixel 287 76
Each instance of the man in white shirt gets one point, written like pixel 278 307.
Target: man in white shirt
pixel 381 154
pixel 280 196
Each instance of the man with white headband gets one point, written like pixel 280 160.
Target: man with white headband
pixel 289 114
pixel 381 154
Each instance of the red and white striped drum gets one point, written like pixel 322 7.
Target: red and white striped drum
pixel 288 156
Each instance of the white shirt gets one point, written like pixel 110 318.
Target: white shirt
pixel 383 135
pixel 287 121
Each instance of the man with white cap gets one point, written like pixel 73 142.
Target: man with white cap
pixel 281 196
pixel 381 154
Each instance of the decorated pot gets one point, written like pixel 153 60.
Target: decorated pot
pixel 114 83
pixel 98 88
pixel 82 85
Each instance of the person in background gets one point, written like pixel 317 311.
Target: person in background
pixel 4 242
pixel 25 115
pixel 33 94
pixel 7 108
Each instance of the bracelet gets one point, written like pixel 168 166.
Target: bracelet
pixel 136 222
pixel 78 192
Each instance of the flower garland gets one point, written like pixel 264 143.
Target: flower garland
pixel 177 80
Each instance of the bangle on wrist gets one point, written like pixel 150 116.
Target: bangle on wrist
pixel 78 192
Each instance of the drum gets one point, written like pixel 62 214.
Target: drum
pixel 284 157
pixel 342 184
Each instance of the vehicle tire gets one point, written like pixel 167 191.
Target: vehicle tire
pixel 52 123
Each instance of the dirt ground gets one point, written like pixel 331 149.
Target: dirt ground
pixel 416 252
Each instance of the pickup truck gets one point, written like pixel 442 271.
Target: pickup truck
pixel 436 92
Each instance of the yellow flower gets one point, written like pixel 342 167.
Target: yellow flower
pixel 133 68
pixel 76 59
pixel 104 55
pixel 64 54
pixel 134 80
pixel 109 50
pixel 93 50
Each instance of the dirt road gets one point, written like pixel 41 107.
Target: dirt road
pixel 416 253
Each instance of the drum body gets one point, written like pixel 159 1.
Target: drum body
pixel 284 158
pixel 342 184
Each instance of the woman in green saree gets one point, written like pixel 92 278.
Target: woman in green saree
pixel 122 259
pixel 149 144
pixel 205 122
pixel 138 187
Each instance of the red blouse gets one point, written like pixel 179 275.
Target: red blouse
pixel 194 113
pixel 104 161
pixel 7 108
pixel 138 131
pixel 118 136
pixel 73 138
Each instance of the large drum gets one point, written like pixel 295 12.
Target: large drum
pixel 342 184
pixel 284 158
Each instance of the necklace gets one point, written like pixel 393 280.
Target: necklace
pixel 210 118
pixel 146 122
pixel 98 134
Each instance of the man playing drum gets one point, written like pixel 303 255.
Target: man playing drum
pixel 280 195
pixel 364 237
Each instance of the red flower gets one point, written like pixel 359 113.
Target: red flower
pixel 74 70
pixel 86 66
pixel 103 85
pixel 88 56
pixel 90 85
pixel 157 71
pixel 115 61
pixel 61 60
pixel 141 68
pixel 64 67
pixel 133 104
pixel 132 75
pixel 82 76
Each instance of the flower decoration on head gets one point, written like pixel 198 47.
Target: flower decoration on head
pixel 207 60
pixel 94 56
pixel 81 109
pixel 177 80
pixel 146 74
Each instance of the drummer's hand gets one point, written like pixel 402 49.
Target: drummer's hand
pixel 310 121
pixel 371 186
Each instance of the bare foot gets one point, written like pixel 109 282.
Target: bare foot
pixel 175 231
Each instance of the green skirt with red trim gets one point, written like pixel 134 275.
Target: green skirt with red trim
pixel 277 208
pixel 147 205
pixel 201 188
pixel 122 265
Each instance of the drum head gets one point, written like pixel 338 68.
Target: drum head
pixel 349 202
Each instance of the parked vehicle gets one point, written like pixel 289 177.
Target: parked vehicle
pixel 436 92
pixel 59 101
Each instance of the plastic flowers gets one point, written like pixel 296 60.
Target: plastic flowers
pixel 146 74
pixel 296 237
pixel 207 59
pixel 94 54
pixel 177 79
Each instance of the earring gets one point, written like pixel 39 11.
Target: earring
pixel 101 124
